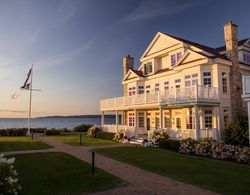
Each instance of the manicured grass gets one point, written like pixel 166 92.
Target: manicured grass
pixel 86 141
pixel 219 176
pixel 20 143
pixel 59 173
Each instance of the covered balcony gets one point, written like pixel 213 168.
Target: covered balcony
pixel 173 96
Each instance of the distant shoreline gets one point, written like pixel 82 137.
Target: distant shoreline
pixel 79 116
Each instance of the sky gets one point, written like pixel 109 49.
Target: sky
pixel 76 46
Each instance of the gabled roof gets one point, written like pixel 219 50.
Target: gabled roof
pixel 138 72
pixel 223 48
pixel 200 46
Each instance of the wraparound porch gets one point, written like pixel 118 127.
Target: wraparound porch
pixel 180 122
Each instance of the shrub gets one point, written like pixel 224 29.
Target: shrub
pixel 187 146
pixel 8 176
pixel 170 144
pixel 203 147
pixel 119 136
pixel 93 130
pixel 236 132
pixel 53 132
pixel 13 132
pixel 159 136
pixel 105 135
pixel 82 128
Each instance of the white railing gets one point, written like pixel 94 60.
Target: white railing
pixel 246 86
pixel 187 133
pixel 113 128
pixel 173 95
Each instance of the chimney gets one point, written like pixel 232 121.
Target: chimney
pixel 128 63
pixel 231 39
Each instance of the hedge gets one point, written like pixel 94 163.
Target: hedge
pixel 105 135
pixel 53 132
pixel 82 128
pixel 13 132
pixel 170 144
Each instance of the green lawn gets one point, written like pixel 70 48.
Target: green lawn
pixel 219 176
pixel 59 173
pixel 86 141
pixel 20 143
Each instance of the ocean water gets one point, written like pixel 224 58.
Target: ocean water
pixel 50 123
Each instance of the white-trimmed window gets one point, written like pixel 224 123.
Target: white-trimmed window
pixel 174 58
pixel 224 82
pixel 208 116
pixel 191 79
pixel 131 119
pixel 190 120
pixel 141 90
pixel 207 81
pixel 141 119
pixel 148 68
pixel 131 91
pixel 166 85
pixel 246 58
pixel 157 87
pixel 167 120
pixel 147 88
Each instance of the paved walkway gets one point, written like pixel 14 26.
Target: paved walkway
pixel 140 181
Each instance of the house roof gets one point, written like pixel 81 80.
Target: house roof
pixel 210 50
pixel 138 72
pixel 223 48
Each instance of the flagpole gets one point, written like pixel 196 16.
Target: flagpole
pixel 30 88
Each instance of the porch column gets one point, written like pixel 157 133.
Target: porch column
pixel 135 117
pixel 196 118
pixel 102 119
pixel 160 110
pixel 116 120
pixel 217 116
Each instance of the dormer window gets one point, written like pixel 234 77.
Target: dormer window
pixel 175 58
pixel 148 68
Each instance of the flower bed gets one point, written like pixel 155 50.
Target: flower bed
pixel 215 149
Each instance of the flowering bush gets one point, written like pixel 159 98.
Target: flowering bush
pixel 92 131
pixel 203 147
pixel 159 135
pixel 8 176
pixel 187 146
pixel 119 136
pixel 215 149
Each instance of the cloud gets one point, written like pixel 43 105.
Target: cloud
pixel 62 57
pixel 13 111
pixel 149 9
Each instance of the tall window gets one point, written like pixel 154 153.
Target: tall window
pixel 131 91
pixel 224 82
pixel 191 79
pixel 190 120
pixel 167 121
pixel 175 58
pixel 207 79
pixel 147 88
pixel 141 119
pixel 131 120
pixel 148 68
pixel 166 86
pixel 140 89
pixel 157 87
pixel 208 114
pixel 157 122
pixel 246 58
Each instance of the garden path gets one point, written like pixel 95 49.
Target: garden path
pixel 140 181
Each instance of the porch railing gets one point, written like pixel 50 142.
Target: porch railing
pixel 113 128
pixel 173 95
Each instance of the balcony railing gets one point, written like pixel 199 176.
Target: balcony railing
pixel 246 86
pixel 172 96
